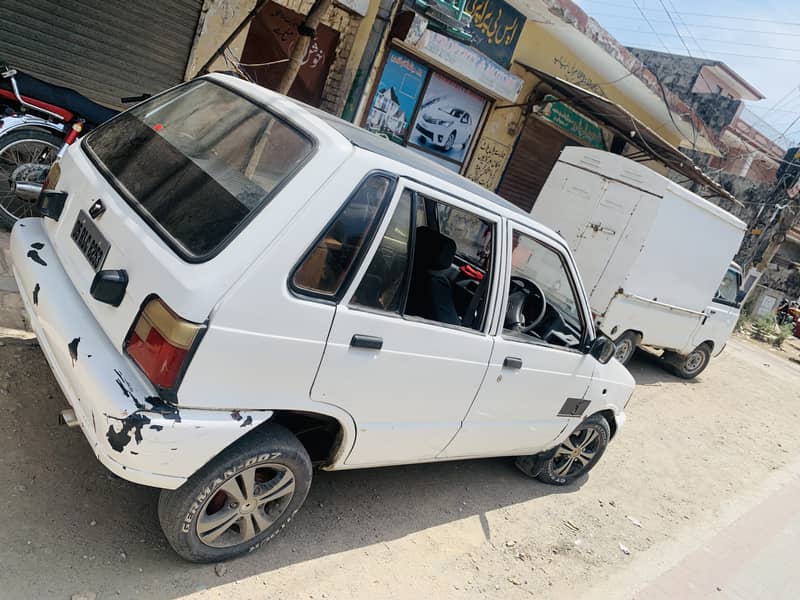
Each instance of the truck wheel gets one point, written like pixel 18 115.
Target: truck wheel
pixel 239 500
pixel 691 365
pixel 626 346
pixel 578 454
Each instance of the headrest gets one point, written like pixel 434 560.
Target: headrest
pixel 432 250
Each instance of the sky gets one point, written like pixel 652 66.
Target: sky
pixel 759 39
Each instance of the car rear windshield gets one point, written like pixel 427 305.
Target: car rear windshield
pixel 197 162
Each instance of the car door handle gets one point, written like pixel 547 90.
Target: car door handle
pixel 366 341
pixel 512 362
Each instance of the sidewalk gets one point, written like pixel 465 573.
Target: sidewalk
pixel 754 558
pixel 11 310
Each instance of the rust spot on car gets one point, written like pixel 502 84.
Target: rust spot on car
pixel 152 404
pixel 34 256
pixel 36 290
pixel 156 427
pixel 248 421
pixel 73 350
pixel 37 245
pixel 236 415
pixel 132 423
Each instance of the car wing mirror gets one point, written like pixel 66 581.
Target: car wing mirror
pixel 603 349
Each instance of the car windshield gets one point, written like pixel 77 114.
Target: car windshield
pixel 198 161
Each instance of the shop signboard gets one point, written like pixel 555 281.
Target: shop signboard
pixel 565 118
pixel 471 64
pixel 396 97
pixel 447 119
pixel 496 27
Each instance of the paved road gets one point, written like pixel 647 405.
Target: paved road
pixel 756 557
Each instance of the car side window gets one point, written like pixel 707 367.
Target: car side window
pixel 383 284
pixel 326 266
pixel 543 305
pixel 435 267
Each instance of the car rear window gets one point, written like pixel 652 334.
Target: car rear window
pixel 198 161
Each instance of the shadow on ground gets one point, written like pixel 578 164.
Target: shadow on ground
pixel 66 516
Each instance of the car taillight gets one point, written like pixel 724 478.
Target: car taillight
pixel 160 342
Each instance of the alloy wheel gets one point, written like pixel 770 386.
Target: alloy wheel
pixel 245 505
pixel 577 452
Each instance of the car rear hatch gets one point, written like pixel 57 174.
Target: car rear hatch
pixel 163 192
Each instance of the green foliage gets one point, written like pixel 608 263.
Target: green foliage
pixel 764 328
pixel 785 331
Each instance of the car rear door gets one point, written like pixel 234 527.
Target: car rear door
pixel 407 381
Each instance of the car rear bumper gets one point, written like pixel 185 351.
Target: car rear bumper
pixel 133 433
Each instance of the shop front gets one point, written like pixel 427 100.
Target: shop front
pixel 433 93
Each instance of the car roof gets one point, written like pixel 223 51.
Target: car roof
pixel 361 138
pixel 370 142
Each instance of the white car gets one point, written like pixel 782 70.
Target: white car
pixel 232 288
pixel 445 126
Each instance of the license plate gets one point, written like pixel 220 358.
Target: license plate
pixel 90 241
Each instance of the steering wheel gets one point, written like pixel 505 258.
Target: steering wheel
pixel 527 299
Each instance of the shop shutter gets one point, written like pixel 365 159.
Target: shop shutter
pixel 534 156
pixel 104 49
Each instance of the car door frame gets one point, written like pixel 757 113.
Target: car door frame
pixel 344 301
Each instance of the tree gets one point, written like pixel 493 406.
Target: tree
pixel 307 30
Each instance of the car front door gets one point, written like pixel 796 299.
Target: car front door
pixel 402 357
pixel 536 382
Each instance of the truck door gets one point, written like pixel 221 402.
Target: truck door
pixel 605 232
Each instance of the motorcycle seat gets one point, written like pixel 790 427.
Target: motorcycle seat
pixel 61 100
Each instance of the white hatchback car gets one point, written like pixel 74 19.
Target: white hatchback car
pixel 232 288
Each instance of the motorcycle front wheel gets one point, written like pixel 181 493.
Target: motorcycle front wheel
pixel 17 148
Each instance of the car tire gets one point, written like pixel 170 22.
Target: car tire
pixel 451 140
pixel 12 209
pixel 218 514
pixel 690 365
pixel 562 465
pixel 626 346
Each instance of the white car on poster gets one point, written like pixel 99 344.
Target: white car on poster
pixel 232 288
pixel 445 126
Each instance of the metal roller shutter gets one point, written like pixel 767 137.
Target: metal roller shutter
pixel 534 156
pixel 104 49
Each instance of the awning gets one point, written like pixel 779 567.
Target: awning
pixel 628 127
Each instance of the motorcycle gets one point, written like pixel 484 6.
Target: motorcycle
pixel 37 120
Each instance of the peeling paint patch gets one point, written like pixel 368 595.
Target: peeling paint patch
pixel 248 421
pixel 36 290
pixel 37 245
pixel 236 415
pixel 73 350
pixel 156 404
pixel 156 427
pixel 34 256
pixel 133 423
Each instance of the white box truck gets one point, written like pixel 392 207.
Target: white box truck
pixel 651 255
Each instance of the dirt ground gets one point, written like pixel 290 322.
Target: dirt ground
pixel 450 530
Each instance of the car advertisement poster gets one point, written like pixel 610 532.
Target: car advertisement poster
pixel 447 120
pixel 396 97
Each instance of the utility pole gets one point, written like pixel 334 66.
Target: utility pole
pixel 307 30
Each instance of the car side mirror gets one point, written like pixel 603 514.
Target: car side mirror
pixel 603 349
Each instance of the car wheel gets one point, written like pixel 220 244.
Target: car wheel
pixel 577 454
pixel 240 500
pixel 691 365
pixel 626 346
pixel 25 146
pixel 448 145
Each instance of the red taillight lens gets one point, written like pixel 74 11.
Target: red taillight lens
pixel 160 343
